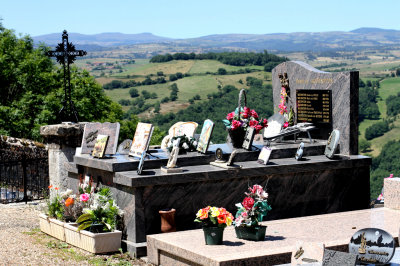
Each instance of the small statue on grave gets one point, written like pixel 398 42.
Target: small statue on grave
pixel 173 157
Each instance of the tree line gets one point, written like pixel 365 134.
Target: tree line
pixel 229 58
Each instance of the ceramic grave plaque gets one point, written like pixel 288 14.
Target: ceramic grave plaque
pixel 90 135
pixel 205 136
pixel 372 245
pixel 141 140
pixel 179 129
pixel 336 258
pixel 275 124
pixel 124 147
pixel 327 99
pixel 331 145
pixel 100 146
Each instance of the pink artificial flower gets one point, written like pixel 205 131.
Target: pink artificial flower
pixel 390 176
pixel 254 114
pixel 265 122
pixel 286 124
pixel 245 115
pixel 380 197
pixel 230 116
pixel 84 197
pixel 256 189
pixel 244 214
pixel 235 124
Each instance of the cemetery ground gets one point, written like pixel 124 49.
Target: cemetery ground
pixel 24 244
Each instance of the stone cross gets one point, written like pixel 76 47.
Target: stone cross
pixel 66 54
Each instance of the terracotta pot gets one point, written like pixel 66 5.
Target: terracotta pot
pixel 167 220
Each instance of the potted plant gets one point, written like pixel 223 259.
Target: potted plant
pixel 250 213
pixel 214 220
pixel 95 230
pixel 238 121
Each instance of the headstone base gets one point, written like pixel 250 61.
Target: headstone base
pixel 224 165
pixel 167 170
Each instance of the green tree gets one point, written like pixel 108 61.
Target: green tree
pixel 221 71
pixel 398 72
pixel 146 94
pixel 134 92
pixel 364 145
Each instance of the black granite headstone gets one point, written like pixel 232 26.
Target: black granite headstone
pixel 329 100
pixel 372 245
pixel 337 258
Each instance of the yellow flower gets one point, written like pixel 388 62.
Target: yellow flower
pixel 214 212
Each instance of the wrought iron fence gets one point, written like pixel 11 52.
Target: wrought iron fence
pixel 24 173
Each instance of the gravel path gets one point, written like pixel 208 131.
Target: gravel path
pixel 22 243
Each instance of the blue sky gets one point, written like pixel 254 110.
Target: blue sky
pixel 185 19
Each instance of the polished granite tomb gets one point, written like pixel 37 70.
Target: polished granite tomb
pixel 314 185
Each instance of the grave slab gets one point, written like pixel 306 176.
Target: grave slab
pixel 333 230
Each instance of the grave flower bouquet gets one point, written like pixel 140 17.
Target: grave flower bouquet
pixel 240 121
pixel 186 143
pixel 253 207
pixel 102 212
pixel 214 217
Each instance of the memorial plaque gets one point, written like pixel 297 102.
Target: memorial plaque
pixel 336 258
pixel 100 146
pixel 90 135
pixel 124 147
pixel 248 138
pixel 332 144
pixel 314 106
pixel 372 245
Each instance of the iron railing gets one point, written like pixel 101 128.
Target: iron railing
pixel 24 173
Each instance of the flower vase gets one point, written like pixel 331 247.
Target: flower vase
pixel 213 235
pixel 255 233
pixel 237 137
pixel 167 220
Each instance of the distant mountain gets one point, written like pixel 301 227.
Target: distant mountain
pixel 102 39
pixel 276 42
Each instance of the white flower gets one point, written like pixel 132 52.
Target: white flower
pixel 185 146
pixel 66 194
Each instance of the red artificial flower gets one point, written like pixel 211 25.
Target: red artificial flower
pixel 245 115
pixel 50 186
pixel 265 122
pixel 253 123
pixel 258 128
pixel 254 114
pixel 248 203
pixel 56 188
pixel 235 124
pixel 246 109
pixel 230 116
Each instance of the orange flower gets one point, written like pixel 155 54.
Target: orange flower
pixel 69 201
pixel 50 186
pixel 56 188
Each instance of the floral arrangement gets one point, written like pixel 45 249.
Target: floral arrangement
pixel 283 109
pixel 245 118
pixel 214 216
pixel 253 208
pixel 101 210
pixel 186 143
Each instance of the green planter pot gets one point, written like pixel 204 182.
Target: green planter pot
pixel 213 235
pixel 256 233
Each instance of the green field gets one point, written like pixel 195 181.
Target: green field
pixel 389 86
